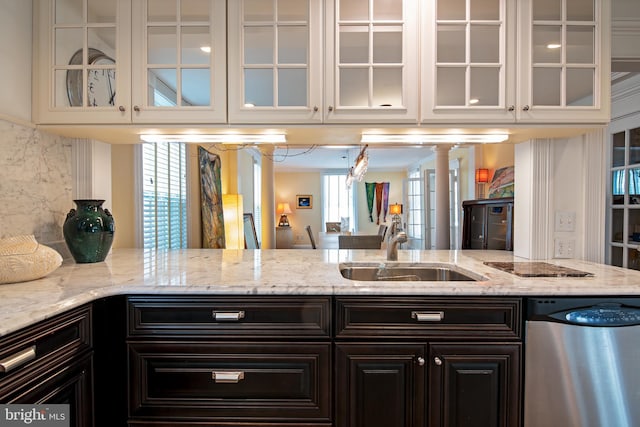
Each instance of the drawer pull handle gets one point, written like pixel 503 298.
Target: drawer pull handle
pixel 228 316
pixel 18 359
pixel 429 316
pixel 227 377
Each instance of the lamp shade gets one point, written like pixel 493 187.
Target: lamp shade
pixel 482 176
pixel 395 209
pixel 233 221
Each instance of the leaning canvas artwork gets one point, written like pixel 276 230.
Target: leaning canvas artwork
pixel 211 200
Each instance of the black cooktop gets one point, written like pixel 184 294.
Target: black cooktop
pixel 537 269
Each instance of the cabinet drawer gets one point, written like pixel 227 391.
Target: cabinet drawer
pixel 239 381
pixel 428 317
pixel 260 317
pixel 32 352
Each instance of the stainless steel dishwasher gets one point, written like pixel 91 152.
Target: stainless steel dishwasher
pixel 582 362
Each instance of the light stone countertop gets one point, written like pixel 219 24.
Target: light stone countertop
pixel 283 272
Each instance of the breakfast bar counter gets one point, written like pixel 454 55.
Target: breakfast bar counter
pixel 290 272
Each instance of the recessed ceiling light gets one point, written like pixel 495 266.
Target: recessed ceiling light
pixel 554 46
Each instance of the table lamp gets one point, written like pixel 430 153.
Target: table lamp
pixel 396 211
pixel 283 209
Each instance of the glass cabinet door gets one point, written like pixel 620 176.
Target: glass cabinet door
pixel 624 201
pixel 178 61
pixel 81 64
pixel 274 61
pixel 565 59
pixel 371 60
pixel 465 60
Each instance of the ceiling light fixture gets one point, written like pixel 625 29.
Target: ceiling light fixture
pixel 359 168
pixel 434 138
pixel 270 138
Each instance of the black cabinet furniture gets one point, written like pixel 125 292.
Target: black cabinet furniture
pixel 465 352
pixel 244 360
pixel 488 224
pixel 51 362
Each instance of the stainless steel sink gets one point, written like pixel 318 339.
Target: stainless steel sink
pixel 395 271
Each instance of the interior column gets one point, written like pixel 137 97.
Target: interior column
pixel 268 198
pixel 443 226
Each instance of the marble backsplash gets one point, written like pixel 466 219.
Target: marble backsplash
pixel 35 184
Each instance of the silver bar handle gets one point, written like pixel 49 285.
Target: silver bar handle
pixel 18 359
pixel 227 377
pixel 228 316
pixel 427 316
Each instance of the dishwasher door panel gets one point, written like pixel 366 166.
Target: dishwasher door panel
pixel 581 376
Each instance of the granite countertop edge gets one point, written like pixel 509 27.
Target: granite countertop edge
pixel 284 272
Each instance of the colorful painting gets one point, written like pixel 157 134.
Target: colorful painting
pixel 502 184
pixel 211 200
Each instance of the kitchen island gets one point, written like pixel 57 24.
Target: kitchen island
pixel 283 272
pixel 280 337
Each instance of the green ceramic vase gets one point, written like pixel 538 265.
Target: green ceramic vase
pixel 89 231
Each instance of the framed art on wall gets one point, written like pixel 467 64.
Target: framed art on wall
pixel 304 201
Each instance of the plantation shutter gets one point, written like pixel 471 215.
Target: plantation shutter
pixel 164 195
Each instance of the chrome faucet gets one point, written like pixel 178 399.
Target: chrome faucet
pixel 392 245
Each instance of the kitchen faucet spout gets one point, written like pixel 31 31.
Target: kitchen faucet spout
pixel 392 245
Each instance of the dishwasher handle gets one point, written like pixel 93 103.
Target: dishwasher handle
pixel 604 315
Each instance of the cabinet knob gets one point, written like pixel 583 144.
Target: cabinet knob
pixel 420 360
pixel 122 109
pixel 511 107
pixel 437 361
pixel 315 109
pixel 330 108
pixel 136 108
pixel 525 108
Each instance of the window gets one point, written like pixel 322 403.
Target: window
pixel 415 211
pixel 257 199
pixel 164 195
pixel 337 199
pixel 454 203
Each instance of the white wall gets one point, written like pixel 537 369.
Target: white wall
pixel 15 51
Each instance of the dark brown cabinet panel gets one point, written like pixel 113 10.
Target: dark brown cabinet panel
pixel 51 362
pixel 474 385
pixel 221 316
pixel 247 382
pixel 488 224
pixel 428 317
pixel 230 361
pixel 380 385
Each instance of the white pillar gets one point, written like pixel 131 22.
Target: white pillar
pixel 443 226
pixel 268 198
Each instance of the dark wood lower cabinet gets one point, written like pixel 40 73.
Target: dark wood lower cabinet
pixel 380 385
pixel 474 385
pixel 51 362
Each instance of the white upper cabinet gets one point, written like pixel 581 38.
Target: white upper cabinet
pixel 467 67
pixel 179 57
pixel 82 64
pixel 502 61
pixel 275 61
pixel 92 68
pixel 565 61
pixel 371 60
